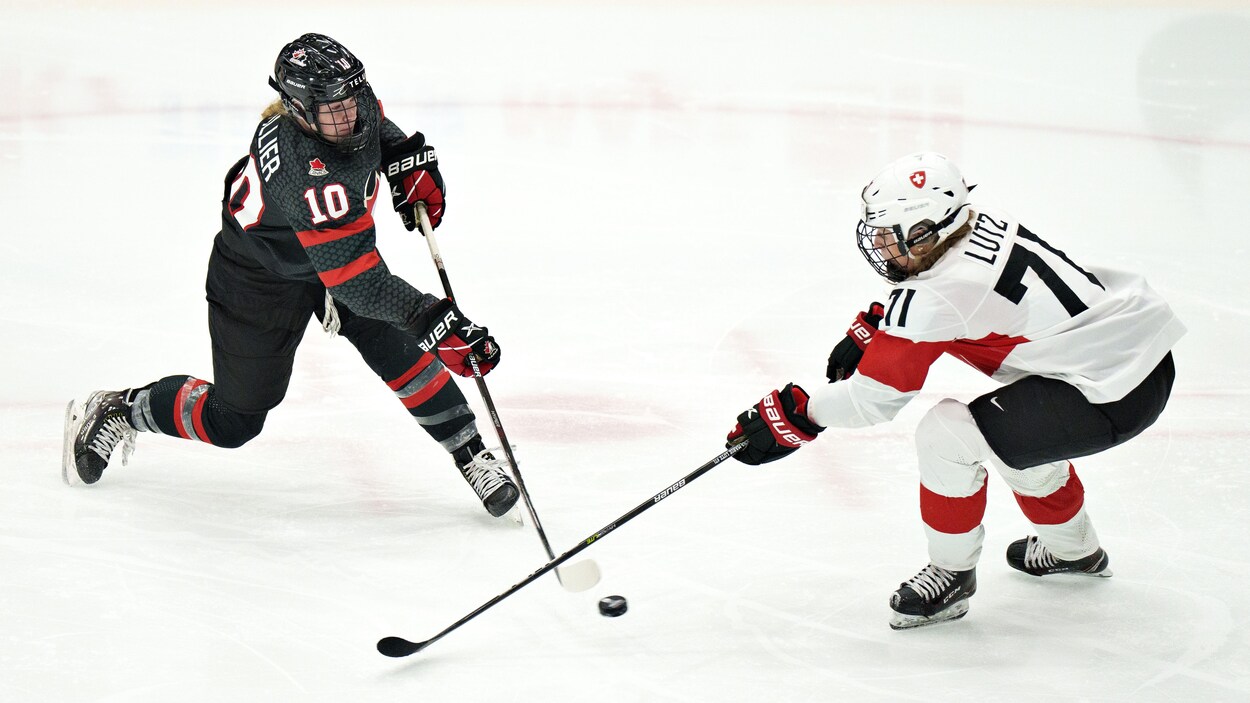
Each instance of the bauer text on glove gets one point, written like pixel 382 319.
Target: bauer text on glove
pixel 775 427
pixel 846 356
pixel 445 331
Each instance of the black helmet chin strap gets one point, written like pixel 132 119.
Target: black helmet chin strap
pixel 936 229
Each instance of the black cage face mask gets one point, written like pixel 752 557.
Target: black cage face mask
pixel 875 244
pixel 346 122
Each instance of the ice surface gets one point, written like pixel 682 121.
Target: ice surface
pixel 652 205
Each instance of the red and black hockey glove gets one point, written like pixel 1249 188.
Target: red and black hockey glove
pixel 775 427
pixel 847 354
pixel 411 167
pixel 444 330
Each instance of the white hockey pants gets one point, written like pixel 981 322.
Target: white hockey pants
pixel 953 455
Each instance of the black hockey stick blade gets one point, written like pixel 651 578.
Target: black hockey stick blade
pixel 399 647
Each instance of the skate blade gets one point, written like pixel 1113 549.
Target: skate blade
pixel 514 514
pixel 69 469
pixel 902 621
pixel 1105 573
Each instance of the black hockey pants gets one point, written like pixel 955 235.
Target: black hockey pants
pixel 256 321
pixel 1038 420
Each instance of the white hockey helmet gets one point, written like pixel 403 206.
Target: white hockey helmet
pixel 919 199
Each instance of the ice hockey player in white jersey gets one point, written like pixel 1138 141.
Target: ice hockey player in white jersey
pixel 1084 353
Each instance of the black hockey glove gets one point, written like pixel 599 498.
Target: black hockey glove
pixel 847 354
pixel 775 427
pixel 444 330
pixel 411 167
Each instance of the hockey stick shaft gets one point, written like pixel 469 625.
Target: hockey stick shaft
pixel 400 647
pixel 428 231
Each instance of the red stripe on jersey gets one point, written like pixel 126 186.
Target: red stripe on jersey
pixel 985 354
pixel 899 363
pixel 428 391
pixel 952 516
pixel 179 401
pixel 1058 507
pixel 313 237
pixel 197 418
pixel 425 360
pixel 346 273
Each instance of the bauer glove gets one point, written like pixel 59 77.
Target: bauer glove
pixel 775 426
pixel 442 329
pixel 411 167
pixel 848 353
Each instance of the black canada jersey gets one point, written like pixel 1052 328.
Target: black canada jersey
pixel 304 210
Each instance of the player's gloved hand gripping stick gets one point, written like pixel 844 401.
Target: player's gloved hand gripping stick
pixel 575 577
pixel 411 168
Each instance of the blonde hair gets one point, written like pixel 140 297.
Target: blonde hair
pixel 275 108
pixel 929 259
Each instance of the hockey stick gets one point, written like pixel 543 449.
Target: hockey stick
pixel 400 647
pixel 575 577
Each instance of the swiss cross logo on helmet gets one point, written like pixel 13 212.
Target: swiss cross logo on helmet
pixel 317 168
pixel 918 179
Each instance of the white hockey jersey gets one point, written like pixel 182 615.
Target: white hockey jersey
pixel 1010 305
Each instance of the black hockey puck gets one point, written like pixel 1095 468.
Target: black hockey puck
pixel 613 606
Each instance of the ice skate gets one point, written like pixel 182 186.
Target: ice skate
pixel 92 431
pixel 486 475
pixel 1031 557
pixel 931 596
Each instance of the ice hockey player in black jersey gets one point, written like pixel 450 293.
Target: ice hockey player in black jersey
pixel 298 240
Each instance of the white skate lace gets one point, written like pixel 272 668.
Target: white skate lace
pixel 330 320
pixel 115 429
pixel 930 582
pixel 485 473
pixel 1036 555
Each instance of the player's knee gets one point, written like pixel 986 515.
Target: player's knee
pixel 948 432
pixel 237 429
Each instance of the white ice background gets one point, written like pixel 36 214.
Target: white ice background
pixel 652 205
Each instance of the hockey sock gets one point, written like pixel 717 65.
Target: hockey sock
pixel 436 403
pixel 185 406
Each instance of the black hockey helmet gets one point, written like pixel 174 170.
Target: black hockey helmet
pixel 315 70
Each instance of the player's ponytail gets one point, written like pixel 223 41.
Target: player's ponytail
pixel 275 108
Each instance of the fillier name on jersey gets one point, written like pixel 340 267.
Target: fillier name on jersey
pixel 1009 304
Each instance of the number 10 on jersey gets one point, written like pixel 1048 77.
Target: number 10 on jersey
pixel 335 196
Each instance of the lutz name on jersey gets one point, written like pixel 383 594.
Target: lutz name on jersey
pixel 988 238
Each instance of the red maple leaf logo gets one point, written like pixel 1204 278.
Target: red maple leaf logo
pixel 316 163
pixel 316 168
pixel 918 179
